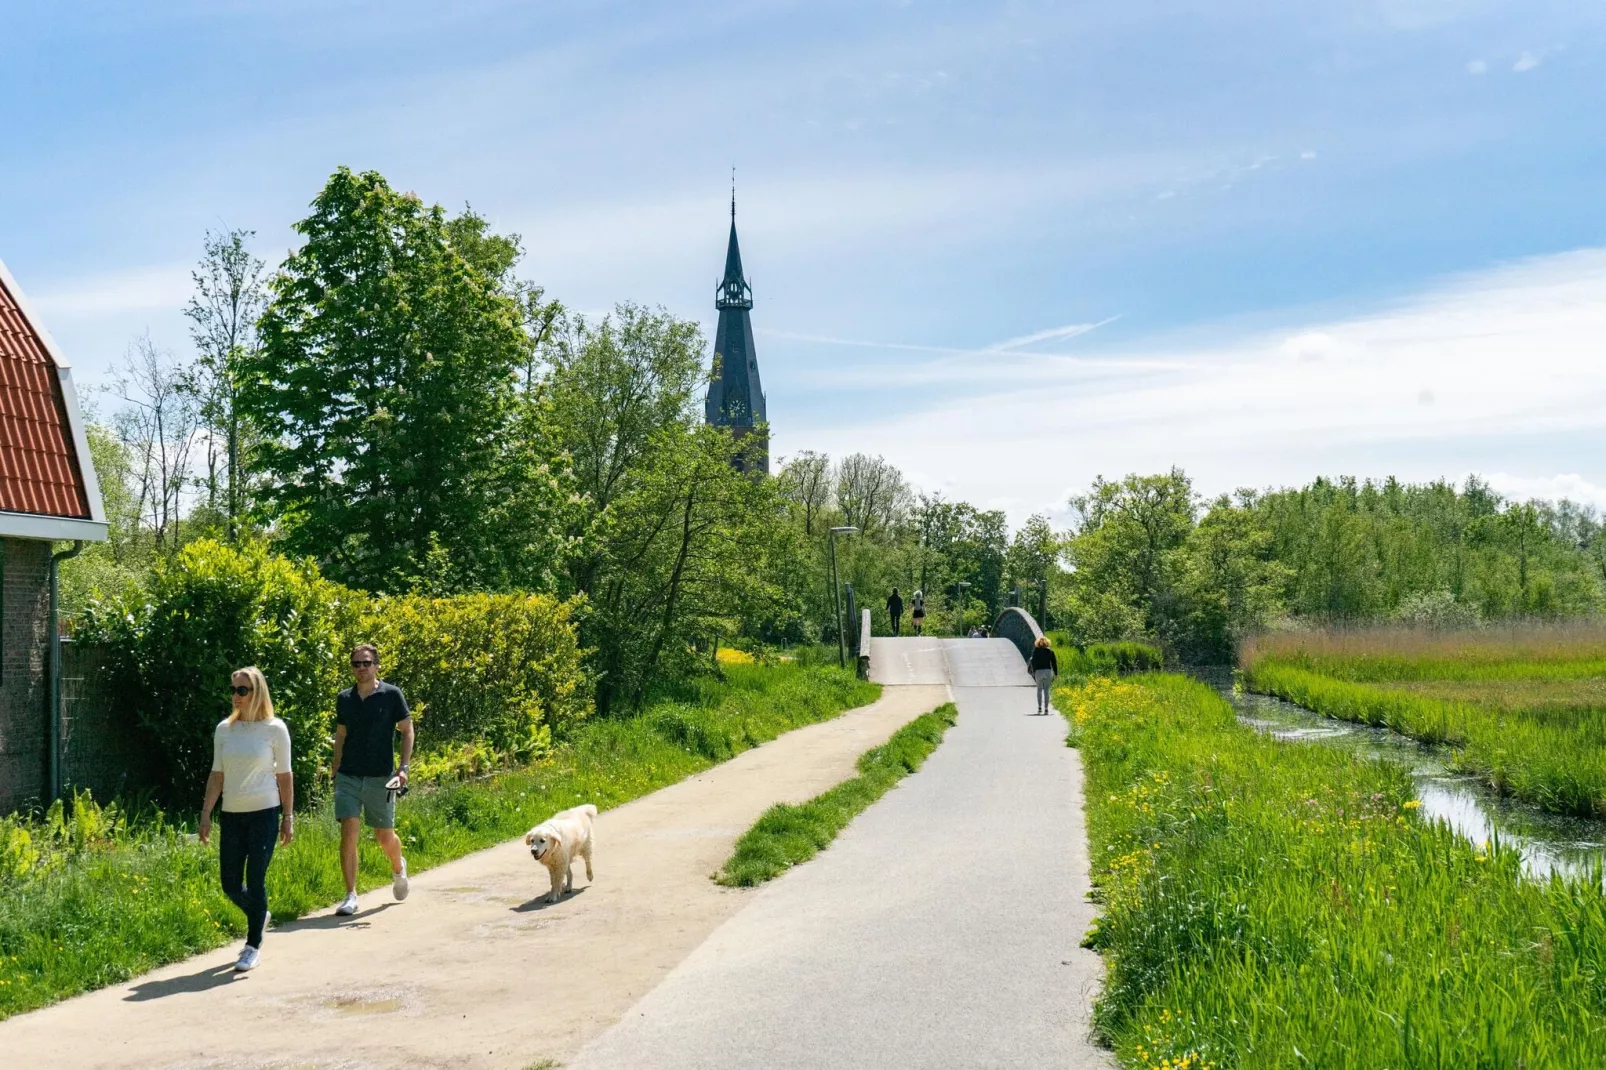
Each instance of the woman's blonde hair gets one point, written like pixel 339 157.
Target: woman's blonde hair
pixel 1042 640
pixel 259 704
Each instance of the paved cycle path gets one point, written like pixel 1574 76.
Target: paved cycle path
pixel 941 929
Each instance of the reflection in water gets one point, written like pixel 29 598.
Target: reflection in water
pixel 1549 843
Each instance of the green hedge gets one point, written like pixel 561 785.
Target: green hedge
pixel 490 677
pixel 207 611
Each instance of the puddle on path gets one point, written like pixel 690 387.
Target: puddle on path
pixel 1548 843
pixel 356 1006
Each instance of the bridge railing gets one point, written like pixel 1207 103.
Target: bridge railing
pixel 863 660
pixel 1020 628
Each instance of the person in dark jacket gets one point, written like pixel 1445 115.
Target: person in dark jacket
pixel 895 609
pixel 1044 666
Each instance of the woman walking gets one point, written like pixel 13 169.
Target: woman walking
pixel 1044 666
pixel 251 771
pixel 917 611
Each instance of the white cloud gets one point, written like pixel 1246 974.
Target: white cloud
pixel 136 290
pixel 1501 354
pixel 1478 66
pixel 1310 345
pixel 1569 485
pixel 1308 154
pixel 1527 62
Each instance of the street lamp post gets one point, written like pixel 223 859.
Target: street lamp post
pixel 836 597
pixel 959 603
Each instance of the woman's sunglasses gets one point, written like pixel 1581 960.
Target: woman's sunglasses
pixel 361 664
pixel 240 690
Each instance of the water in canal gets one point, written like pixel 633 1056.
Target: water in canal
pixel 1549 843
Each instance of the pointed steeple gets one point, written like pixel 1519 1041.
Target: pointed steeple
pixel 735 396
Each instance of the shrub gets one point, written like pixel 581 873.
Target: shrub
pixel 211 609
pixel 1106 659
pixel 496 671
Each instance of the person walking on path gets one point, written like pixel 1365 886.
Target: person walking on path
pixel 368 717
pixel 917 612
pixel 895 609
pixel 251 772
pixel 1044 667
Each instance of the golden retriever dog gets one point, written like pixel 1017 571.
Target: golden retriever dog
pixel 556 841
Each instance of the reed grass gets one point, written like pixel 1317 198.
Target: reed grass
pixel 1276 906
pixel 1518 713
pixel 787 835
pixel 97 908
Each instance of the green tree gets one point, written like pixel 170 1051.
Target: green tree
pixel 384 387
pixel 1228 583
pixel 671 546
pixel 223 314
pixel 1126 553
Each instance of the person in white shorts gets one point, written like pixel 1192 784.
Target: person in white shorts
pixel 251 771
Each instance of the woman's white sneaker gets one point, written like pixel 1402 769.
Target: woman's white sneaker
pixel 347 905
pixel 398 884
pixel 248 959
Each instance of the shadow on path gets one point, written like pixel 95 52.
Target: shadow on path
pixel 211 977
pixel 540 903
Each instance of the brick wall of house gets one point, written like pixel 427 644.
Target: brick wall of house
pixel 25 591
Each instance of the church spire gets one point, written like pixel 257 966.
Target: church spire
pixel 735 395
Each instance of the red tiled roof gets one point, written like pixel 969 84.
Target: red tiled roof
pixel 38 465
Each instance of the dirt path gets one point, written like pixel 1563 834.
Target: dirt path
pixel 474 970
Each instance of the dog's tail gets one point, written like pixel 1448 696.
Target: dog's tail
pixel 588 810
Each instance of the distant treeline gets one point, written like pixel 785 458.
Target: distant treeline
pixel 1148 559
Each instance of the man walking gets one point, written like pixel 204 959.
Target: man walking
pixel 895 609
pixel 368 717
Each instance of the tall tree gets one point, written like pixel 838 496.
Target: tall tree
pixel 223 314
pixel 383 387
pixel 671 545
pixel 871 493
pixel 157 425
pixel 806 482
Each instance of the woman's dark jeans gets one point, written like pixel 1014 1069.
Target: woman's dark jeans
pixel 245 851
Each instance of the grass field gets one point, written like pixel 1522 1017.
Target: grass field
pixel 103 898
pixel 1524 708
pixel 786 835
pixel 1269 905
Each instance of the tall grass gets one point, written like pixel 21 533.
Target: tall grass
pixel 1522 706
pixel 97 908
pixel 1271 906
pixel 1532 651
pixel 1105 659
pixel 1554 758
pixel 787 835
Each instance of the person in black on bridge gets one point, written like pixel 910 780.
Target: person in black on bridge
pixel 895 609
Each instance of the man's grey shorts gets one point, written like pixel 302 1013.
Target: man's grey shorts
pixel 365 796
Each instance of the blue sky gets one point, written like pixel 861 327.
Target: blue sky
pixel 1350 237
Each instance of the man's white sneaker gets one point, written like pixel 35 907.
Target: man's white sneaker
pixel 248 959
pixel 347 905
pixel 398 884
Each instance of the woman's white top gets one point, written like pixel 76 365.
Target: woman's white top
pixel 250 754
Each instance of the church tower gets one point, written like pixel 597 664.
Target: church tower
pixel 735 396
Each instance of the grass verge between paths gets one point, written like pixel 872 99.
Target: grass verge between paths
pixel 787 835
pixel 1275 905
pixel 104 906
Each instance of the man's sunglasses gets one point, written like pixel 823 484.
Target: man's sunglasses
pixel 240 690
pixel 362 664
